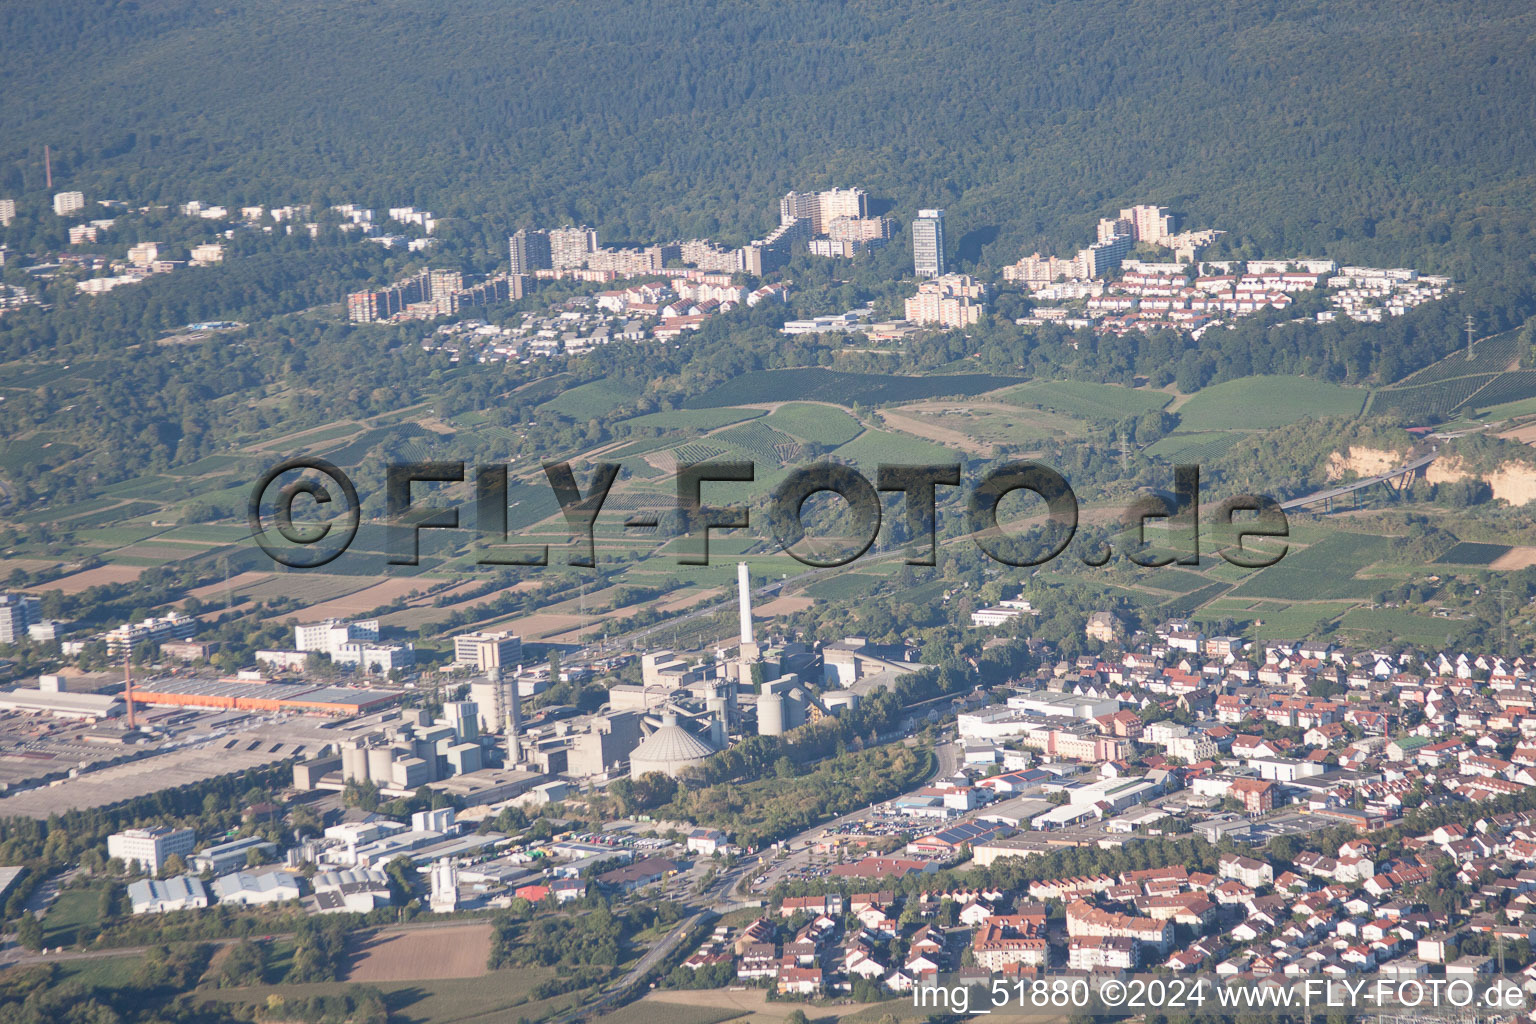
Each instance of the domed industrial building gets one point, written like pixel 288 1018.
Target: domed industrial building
pixel 668 750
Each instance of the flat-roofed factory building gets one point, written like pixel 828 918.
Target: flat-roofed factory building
pixel 242 695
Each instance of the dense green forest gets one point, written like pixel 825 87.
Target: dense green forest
pixel 1375 131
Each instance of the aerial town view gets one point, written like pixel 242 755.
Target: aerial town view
pixel 857 513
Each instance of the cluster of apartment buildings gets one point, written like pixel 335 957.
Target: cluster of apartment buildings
pixel 1117 236
pixel 660 311
pixel 173 625
pixel 429 294
pixel 950 300
pixel 1371 294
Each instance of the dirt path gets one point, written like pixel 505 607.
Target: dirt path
pixel 933 432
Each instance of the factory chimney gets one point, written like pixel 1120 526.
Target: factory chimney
pixel 744 597
pixel 508 695
pixel 749 651
pixel 128 686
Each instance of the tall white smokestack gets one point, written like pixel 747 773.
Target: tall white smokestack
pixel 513 724
pixel 744 596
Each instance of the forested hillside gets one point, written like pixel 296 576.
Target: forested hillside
pixel 1382 130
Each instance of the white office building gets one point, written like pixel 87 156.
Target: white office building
pixel 375 657
pixel 485 651
pixel 327 636
pixel 151 847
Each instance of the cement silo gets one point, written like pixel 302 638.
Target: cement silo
pixel 770 714
pixel 381 761
pixel 839 700
pixel 795 702
pixel 354 763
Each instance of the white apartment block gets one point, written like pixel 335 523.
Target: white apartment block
pixel 570 246
pixel 211 252
pixel 151 847
pixel 17 612
pixel 174 626
pixel 7 212
pixel 143 254
pixel 66 203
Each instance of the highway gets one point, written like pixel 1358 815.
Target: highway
pixel 1343 489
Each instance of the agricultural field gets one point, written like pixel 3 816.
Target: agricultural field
pixel 751 1006
pixel 497 995
pixel 1470 553
pixel 656 1009
pixel 981 426
pixel 693 419
pixel 1257 403
pixel 1324 570
pixel 760 441
pixel 591 400
pixel 843 585
pixel 1509 410
pixel 1395 624
pixel 818 385
pixel 817 424
pixel 873 447
pixel 1272 620
pixel 1428 402
pixel 1088 401
pixel 423 954
pixel 1491 355
pixel 1196 448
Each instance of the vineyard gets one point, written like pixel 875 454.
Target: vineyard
pixel 1086 400
pixel 762 441
pixel 1194 447
pixel 1251 403
pixel 1429 402
pixel 818 424
pixel 692 419
pixel 1483 381
pixel 1508 387
pixel 1322 571
pixel 697 452
pixel 1491 355
pixel 1472 553
pixel 591 400
pixel 818 385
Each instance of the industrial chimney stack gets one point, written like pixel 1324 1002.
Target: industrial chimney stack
pixel 128 687
pixel 512 701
